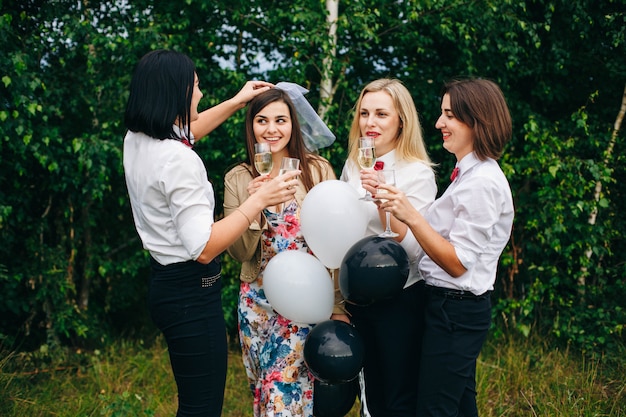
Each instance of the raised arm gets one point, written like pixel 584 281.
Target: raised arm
pixel 440 250
pixel 228 229
pixel 212 117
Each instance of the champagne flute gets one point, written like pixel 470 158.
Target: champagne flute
pixel 287 164
pixel 366 159
pixel 386 176
pixel 263 158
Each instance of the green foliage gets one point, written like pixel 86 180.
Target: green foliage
pixel 568 286
pixel 72 269
pixel 65 218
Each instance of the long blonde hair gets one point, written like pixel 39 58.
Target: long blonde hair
pixel 409 144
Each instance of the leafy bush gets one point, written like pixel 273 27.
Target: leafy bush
pixel 72 269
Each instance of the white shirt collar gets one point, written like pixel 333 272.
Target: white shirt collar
pixel 182 135
pixel 466 163
pixel 389 159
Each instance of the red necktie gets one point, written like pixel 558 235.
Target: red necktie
pixel 455 173
pixel 379 165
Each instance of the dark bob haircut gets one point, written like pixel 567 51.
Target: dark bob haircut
pixel 160 93
pixel 480 104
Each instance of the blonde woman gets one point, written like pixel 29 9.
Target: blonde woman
pixel 391 329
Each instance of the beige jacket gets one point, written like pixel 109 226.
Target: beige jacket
pixel 247 249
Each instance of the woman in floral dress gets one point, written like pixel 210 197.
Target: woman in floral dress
pixel 272 345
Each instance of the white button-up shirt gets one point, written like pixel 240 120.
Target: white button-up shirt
pixel 475 214
pixel 171 197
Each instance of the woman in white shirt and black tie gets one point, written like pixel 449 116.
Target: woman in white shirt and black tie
pixel 462 235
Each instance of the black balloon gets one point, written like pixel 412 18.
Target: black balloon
pixel 334 351
pixel 334 400
pixel 373 269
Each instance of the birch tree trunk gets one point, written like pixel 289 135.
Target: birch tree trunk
pixel 598 190
pixel 326 85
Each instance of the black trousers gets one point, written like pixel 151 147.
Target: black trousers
pixel 392 334
pixel 456 327
pixel 185 303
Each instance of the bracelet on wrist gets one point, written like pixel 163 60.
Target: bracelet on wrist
pixel 244 215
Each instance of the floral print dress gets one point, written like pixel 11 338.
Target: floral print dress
pixel 272 346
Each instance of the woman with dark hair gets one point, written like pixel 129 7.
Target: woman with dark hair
pixel 173 206
pixel 272 345
pixel 462 236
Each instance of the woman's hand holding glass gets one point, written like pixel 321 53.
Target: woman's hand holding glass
pixel 369 182
pixel 396 203
pixel 276 190
pixel 386 176
pixel 287 165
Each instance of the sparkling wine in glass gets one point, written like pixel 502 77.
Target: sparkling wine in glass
pixel 263 158
pixel 287 164
pixel 366 159
pixel 386 176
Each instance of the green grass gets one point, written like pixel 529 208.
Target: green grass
pixel 126 379
pixel 515 378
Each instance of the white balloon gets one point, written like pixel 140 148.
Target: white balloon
pixel 332 220
pixel 299 287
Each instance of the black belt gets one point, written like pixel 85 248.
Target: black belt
pixel 191 270
pixel 457 294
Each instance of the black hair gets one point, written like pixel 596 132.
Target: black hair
pixel 160 93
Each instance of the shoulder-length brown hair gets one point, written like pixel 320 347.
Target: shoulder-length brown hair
pixel 480 104
pixel 295 147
